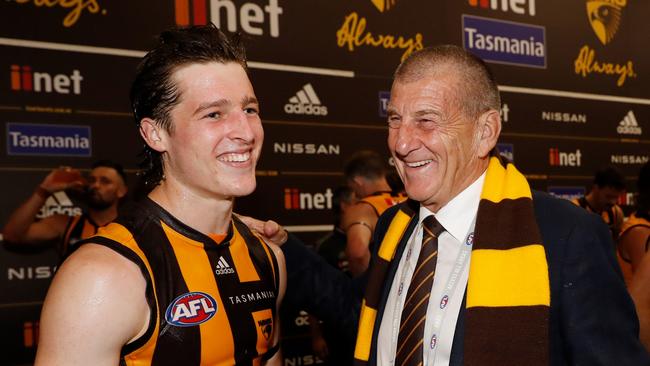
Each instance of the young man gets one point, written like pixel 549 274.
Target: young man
pixel 178 280
pixel 365 174
pixel 609 183
pixel 106 188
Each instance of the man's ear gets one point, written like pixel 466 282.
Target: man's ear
pixel 122 191
pixel 153 135
pixel 489 125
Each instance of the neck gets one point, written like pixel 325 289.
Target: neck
pixel 105 216
pixel 379 185
pixel 202 212
pixel 470 175
pixel 592 202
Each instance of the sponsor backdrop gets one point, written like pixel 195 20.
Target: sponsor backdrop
pixel 573 77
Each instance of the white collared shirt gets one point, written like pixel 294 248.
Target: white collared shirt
pixel 458 218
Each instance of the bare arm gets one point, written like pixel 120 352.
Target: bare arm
pixel 632 245
pixel 22 227
pixel 95 305
pixel 359 223
pixel 276 360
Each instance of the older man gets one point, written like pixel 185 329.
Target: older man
pixel 178 280
pixel 475 268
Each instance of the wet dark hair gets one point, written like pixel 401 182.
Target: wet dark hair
pixel 365 163
pixel 609 177
pixel 113 165
pixel 154 91
pixel 341 194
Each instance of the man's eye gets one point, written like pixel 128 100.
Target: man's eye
pixel 212 115
pixel 251 110
pixel 427 123
pixel 394 122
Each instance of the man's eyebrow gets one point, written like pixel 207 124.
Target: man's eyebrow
pixel 249 100
pixel 391 111
pixel 217 103
pixel 424 112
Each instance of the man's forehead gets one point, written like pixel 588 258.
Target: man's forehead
pixel 105 171
pixel 212 81
pixel 425 91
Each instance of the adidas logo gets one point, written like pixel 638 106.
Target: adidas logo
pixel 223 267
pixel 305 102
pixel 58 203
pixel 629 125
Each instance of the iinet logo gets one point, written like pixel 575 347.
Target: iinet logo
pixel 24 79
pixel 227 14
pixel 516 6
pixel 295 200
pixel 557 158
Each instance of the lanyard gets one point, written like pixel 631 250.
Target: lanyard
pixel 450 290
pixel 451 284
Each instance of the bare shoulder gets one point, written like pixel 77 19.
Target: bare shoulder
pixel 359 212
pixel 98 263
pixel 635 237
pixel 97 298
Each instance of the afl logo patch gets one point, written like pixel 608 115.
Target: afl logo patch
pixel 444 301
pixel 470 239
pixel 191 309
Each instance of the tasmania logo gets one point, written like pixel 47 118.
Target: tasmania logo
pixel 191 309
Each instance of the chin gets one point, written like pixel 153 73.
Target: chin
pixel 242 189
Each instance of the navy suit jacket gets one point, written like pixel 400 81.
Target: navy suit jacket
pixel 592 318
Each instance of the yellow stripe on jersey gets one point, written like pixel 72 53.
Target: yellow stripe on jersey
pixel 241 258
pixel 197 272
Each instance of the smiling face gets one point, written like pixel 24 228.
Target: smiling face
pixel 216 135
pixel 438 150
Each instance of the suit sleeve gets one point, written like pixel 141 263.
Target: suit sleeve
pixel 321 290
pixel 598 320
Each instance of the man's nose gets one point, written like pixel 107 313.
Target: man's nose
pixel 241 128
pixel 404 139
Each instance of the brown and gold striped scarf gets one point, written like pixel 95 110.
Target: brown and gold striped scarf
pixel 508 292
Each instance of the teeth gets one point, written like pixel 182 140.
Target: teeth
pixel 236 158
pixel 418 163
